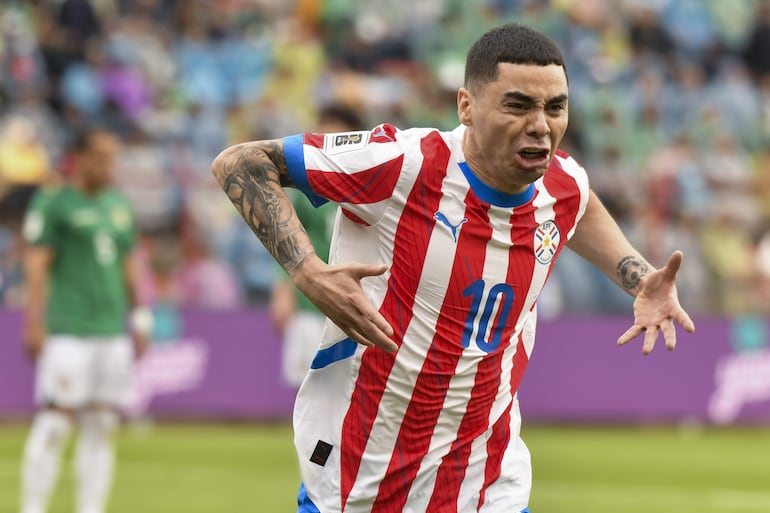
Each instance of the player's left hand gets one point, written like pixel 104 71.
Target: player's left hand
pixel 656 307
pixel 141 343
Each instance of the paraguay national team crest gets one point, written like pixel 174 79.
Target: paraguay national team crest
pixel 547 239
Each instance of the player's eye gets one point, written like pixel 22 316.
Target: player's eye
pixel 516 106
pixel 557 107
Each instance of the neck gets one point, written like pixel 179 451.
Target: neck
pixel 86 188
pixel 480 168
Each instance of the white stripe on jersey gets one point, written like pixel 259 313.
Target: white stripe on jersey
pixel 511 491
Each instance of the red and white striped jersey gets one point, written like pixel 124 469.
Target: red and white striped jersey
pixel 433 427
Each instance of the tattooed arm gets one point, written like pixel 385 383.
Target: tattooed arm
pixel 253 175
pixel 599 240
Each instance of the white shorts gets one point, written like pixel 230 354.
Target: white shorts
pixel 73 372
pixel 300 343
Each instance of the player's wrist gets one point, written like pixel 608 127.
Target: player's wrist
pixel 306 270
pixel 142 320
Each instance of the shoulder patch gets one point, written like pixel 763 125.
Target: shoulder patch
pixel 334 144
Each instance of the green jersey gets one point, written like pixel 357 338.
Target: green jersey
pixel 90 236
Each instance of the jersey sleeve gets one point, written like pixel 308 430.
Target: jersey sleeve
pixel 358 170
pixel 40 220
pixel 576 175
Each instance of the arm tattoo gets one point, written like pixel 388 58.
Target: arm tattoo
pixel 253 177
pixel 630 271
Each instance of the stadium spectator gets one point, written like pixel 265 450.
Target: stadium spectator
pixel 253 266
pixel 444 244
pixel 81 280
pixel 728 252
pixel 145 175
pixel 24 166
pixel 762 257
pixel 757 49
pixel 205 282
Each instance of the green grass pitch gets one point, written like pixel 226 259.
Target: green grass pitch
pixel 213 468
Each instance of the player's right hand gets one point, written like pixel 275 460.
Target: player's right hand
pixel 336 291
pixel 34 337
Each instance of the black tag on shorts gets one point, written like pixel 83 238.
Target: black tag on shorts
pixel 321 453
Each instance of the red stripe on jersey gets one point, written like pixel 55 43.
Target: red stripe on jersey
pixel 410 247
pixel 350 215
pixel 563 154
pixel 314 140
pixel 565 190
pixel 440 363
pixel 520 361
pixel 501 432
pixel 496 445
pixel 453 466
pixel 521 263
pixel 363 187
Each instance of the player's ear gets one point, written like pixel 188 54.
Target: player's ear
pixel 464 106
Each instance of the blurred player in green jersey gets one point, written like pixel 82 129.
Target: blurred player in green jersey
pixel 296 317
pixel 80 291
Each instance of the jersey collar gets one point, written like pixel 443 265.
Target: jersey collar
pixel 493 196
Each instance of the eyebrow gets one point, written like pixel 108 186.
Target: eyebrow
pixel 525 98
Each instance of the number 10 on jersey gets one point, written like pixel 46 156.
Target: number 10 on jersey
pixel 493 303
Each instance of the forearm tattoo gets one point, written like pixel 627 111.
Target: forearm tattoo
pixel 630 272
pixel 251 177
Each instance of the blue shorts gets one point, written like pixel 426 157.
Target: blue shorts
pixel 305 505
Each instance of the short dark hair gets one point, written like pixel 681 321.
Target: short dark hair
pixel 83 136
pixel 513 43
pixel 342 113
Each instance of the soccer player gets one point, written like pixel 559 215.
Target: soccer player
pixel 80 285
pixel 431 288
pixel 295 316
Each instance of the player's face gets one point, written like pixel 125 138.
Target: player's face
pixel 514 124
pixel 98 160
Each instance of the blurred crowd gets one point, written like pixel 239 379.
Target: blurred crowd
pixel 669 103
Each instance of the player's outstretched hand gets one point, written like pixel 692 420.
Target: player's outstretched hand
pixel 656 307
pixel 336 291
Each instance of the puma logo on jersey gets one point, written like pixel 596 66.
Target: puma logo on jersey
pixel 455 229
pixel 380 133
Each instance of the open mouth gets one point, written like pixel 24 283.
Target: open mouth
pixel 533 154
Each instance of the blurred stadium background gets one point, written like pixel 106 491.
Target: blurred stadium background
pixel 670 114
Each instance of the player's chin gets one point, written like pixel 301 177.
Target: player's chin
pixel 532 174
